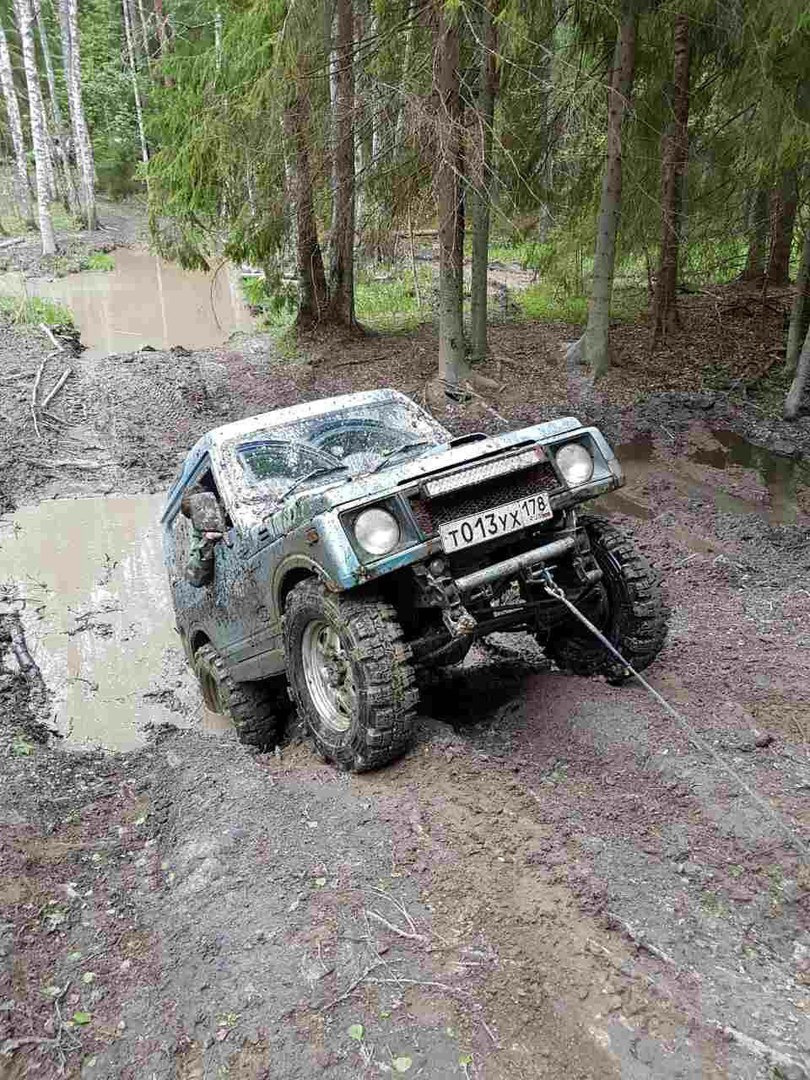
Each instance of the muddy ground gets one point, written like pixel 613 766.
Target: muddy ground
pixel 554 882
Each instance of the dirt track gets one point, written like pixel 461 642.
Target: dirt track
pixel 554 882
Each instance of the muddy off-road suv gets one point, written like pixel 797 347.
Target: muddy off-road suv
pixel 351 541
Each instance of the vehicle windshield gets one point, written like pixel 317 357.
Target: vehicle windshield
pixel 335 446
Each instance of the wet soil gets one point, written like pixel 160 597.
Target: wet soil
pixel 555 882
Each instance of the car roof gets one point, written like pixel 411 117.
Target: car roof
pixel 243 429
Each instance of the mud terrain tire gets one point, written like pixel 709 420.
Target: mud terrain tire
pixel 636 622
pixel 347 652
pixel 256 708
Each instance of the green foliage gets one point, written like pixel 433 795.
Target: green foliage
pixel 98 260
pixel 386 299
pixel 273 301
pixel 32 310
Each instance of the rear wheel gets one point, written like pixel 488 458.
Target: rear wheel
pixel 257 709
pixel 351 675
pixel 628 607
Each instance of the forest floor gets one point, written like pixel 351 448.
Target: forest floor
pixel 553 882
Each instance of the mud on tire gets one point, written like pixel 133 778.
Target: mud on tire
pixel 637 613
pixel 363 642
pixel 257 709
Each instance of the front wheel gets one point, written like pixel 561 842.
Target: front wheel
pixel 628 607
pixel 351 675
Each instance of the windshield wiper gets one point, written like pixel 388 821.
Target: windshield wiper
pixel 322 470
pixel 400 450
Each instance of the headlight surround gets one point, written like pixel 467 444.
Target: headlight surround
pixel 377 531
pixel 575 463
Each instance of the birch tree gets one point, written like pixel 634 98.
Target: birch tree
pixel 60 139
pixel 136 91
pixel 36 115
pixel 593 348
pixel 71 60
pixel 22 191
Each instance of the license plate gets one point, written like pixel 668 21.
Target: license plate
pixel 499 521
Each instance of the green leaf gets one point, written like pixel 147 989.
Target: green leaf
pixel 82 1018
pixel 21 748
pixel 401 1064
pixel 465 1060
pixel 356 1032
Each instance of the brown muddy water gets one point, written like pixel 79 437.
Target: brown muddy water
pixel 781 478
pixel 88 577
pixel 145 300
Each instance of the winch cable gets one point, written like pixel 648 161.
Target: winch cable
pixel 554 590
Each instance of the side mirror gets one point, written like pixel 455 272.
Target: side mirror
pixel 206 513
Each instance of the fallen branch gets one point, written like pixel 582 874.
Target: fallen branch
pixel 351 989
pixel 63 378
pixel 47 330
pixel 762 1050
pixel 11 243
pixel 640 941
pixel 34 392
pixel 394 929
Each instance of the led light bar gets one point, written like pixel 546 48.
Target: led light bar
pixel 486 471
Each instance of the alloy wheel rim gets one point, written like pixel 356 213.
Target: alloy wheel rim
pixel 329 675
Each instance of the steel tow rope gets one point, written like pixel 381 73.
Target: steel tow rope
pixel 554 590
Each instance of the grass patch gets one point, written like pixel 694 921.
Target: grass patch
pixel 542 304
pixel 388 300
pixel 98 260
pixel 32 310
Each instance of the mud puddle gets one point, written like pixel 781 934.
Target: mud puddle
pixel 144 300
pixel 780 477
pixel 87 577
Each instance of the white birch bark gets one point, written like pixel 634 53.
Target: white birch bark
pixel 39 136
pixel 22 191
pixel 133 71
pixel 59 141
pixel 71 58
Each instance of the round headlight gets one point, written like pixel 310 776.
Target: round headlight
pixel 377 531
pixel 575 463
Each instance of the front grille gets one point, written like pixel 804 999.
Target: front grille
pixel 431 513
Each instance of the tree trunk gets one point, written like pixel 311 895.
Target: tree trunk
pixel 674 154
pixel 312 293
pixel 71 59
pixel 452 367
pixel 60 140
pixel 794 398
pixel 22 191
pixel 407 55
pixel 800 314
pixel 36 115
pixel 133 73
pixel 757 237
pixel 594 346
pixel 480 192
pixel 783 216
pixel 341 271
